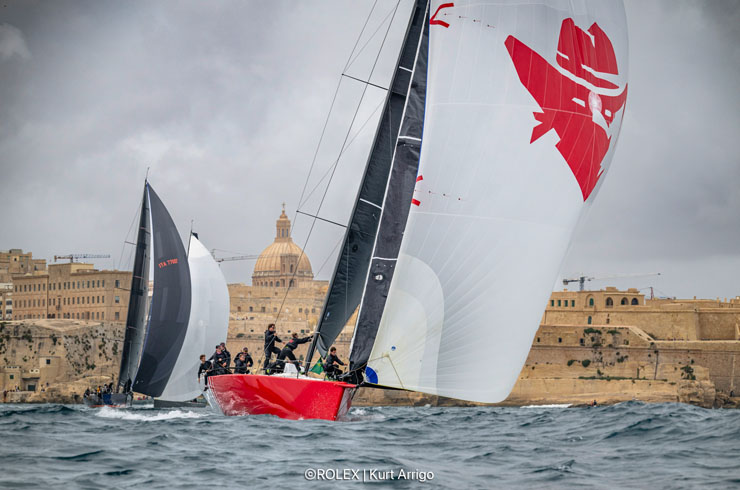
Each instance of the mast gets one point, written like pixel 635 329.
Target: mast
pixel 135 318
pixel 346 285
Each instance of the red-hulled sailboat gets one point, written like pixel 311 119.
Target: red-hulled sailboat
pixel 453 246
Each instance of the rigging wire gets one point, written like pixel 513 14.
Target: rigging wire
pixel 344 143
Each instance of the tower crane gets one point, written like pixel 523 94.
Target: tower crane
pixel 235 257
pixel 582 279
pixel 72 257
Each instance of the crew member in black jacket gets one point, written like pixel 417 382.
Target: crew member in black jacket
pixel 330 364
pixel 240 364
pixel 270 340
pixel 287 351
pixel 205 368
pixel 247 358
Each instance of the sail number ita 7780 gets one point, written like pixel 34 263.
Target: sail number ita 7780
pixel 167 262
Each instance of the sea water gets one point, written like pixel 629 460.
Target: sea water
pixel 629 445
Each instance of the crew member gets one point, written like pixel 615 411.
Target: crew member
pixel 219 357
pixel 247 358
pixel 226 352
pixel 331 364
pixel 205 368
pixel 290 347
pixel 270 340
pixel 240 364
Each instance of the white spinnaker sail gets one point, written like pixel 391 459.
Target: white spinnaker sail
pixel 208 324
pixel 524 104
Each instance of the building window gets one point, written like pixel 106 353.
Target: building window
pixel 624 301
pixel 102 316
pixel 118 316
pixel 559 303
pixel 582 342
pixel 538 340
pixel 103 282
pixel 313 310
pixel 291 267
pixel 274 309
pixel 270 283
pixel 48 361
pixel 263 309
pixel 292 283
pixel 634 301
pixel 590 301
pixel 552 302
pixel 560 340
pixel 251 309
pixel 118 299
pixel 589 320
pixel 118 283
pixel 609 302
pixel 573 303
pixel 300 310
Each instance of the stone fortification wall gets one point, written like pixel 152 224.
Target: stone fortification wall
pixel 57 355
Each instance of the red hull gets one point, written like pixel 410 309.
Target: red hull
pixel 288 398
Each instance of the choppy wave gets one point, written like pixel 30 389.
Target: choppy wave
pixel 154 416
pixel 629 445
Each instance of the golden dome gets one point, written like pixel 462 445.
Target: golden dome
pixel 282 261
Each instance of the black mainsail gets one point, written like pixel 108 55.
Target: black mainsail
pixel 137 310
pixel 347 283
pixel 170 308
pixel 396 206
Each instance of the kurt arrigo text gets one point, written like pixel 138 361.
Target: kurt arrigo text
pixel 366 475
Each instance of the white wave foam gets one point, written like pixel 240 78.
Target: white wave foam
pixel 561 405
pixel 113 413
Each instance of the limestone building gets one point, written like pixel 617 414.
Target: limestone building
pixel 664 319
pixel 73 290
pixel 6 301
pixel 14 261
pixel 283 290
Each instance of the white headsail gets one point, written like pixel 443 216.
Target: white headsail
pixel 524 104
pixel 208 324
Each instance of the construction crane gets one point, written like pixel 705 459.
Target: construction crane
pixel 582 279
pixel 72 257
pixel 235 257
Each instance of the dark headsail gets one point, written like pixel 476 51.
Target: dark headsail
pixel 170 308
pixel 398 199
pixel 346 287
pixel 137 310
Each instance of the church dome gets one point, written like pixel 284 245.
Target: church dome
pixel 282 263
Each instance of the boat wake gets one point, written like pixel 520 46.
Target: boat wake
pixel 111 413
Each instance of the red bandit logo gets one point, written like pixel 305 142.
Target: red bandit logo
pixel 579 98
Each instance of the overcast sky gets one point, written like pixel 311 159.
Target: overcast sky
pixel 225 102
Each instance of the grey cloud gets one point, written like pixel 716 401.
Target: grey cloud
pixel 12 43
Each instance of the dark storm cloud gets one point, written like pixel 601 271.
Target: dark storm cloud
pixel 225 101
